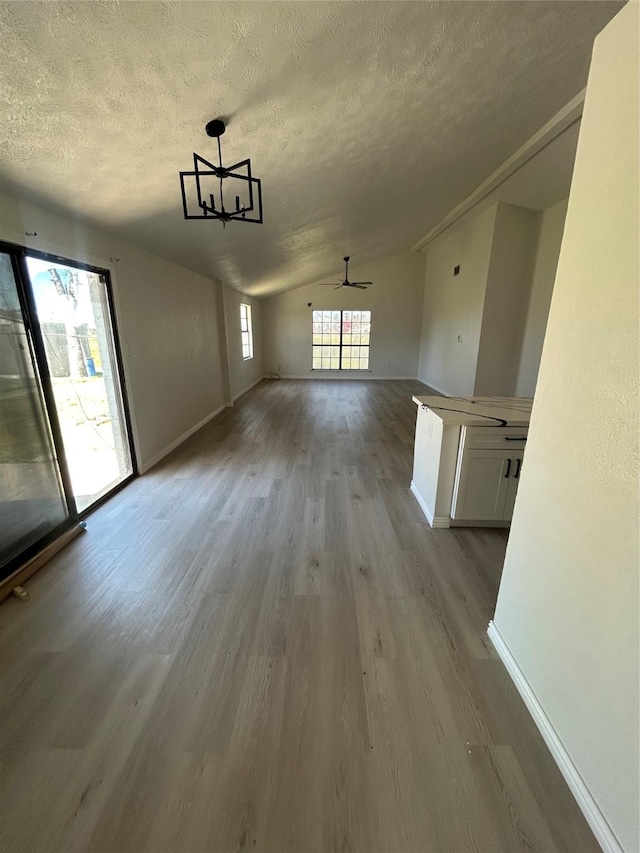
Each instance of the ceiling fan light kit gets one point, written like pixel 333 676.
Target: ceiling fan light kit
pixel 360 285
pixel 204 188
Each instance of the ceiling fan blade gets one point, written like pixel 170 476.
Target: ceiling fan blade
pixel 327 284
pixel 338 286
pixel 363 283
pixel 358 285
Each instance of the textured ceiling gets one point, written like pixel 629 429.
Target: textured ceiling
pixel 367 122
pixel 541 182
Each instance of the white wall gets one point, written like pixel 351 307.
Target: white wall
pixel 242 374
pixel 568 602
pixel 551 230
pixel 513 252
pixel 483 329
pixel 395 300
pixel 170 323
pixel 453 305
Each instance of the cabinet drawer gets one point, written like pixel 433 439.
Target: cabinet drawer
pixel 493 438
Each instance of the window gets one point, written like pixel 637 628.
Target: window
pixel 341 340
pixel 246 331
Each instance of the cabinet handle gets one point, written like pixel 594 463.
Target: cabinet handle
pixel 506 476
pixel 518 464
pixel 515 438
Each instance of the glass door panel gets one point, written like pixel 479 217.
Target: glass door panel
pixel 32 500
pixel 73 312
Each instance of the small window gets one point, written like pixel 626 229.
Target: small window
pixel 340 340
pixel 246 331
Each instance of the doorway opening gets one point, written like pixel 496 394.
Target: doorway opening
pixel 63 412
pixel 73 312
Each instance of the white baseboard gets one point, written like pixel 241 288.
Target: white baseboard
pixel 341 374
pixel 435 387
pixel 574 780
pixel 434 521
pixel 248 388
pixel 167 450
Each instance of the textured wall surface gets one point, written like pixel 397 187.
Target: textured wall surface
pixel 568 602
pixel 366 121
pixel 513 252
pixel 395 300
pixel 453 305
pixel 551 230
pixel 242 374
pixel 170 323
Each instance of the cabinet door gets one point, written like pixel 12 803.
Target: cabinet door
pixel 514 479
pixel 482 484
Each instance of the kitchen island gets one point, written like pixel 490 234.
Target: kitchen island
pixel 468 458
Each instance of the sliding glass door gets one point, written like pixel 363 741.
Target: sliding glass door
pixel 64 432
pixel 73 313
pixel 32 501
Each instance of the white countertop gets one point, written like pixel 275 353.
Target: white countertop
pixel 479 411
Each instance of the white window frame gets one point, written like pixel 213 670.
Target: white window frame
pixel 246 331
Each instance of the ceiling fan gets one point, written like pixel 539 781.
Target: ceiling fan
pixel 361 285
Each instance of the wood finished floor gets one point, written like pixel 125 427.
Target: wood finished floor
pixel 261 645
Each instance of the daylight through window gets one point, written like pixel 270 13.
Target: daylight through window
pixel 341 340
pixel 246 331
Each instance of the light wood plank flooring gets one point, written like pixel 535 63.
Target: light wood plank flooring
pixel 261 645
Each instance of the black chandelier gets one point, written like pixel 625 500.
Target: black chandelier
pixel 203 194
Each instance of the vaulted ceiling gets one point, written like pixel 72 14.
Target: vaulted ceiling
pixel 367 122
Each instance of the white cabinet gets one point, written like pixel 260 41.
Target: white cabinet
pixel 514 479
pixel 482 486
pixel 468 459
pixel 487 474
